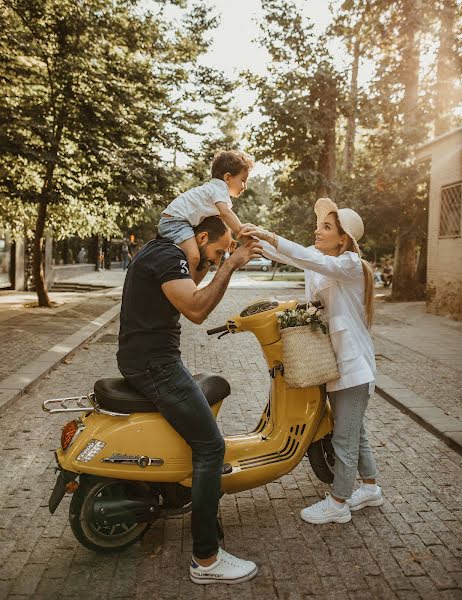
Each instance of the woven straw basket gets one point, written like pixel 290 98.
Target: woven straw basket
pixel 308 357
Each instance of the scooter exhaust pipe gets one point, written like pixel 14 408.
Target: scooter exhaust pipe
pixel 122 510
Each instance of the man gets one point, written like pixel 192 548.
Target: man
pixel 158 289
pixel 126 256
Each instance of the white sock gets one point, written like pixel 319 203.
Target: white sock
pixel 336 503
pixel 370 487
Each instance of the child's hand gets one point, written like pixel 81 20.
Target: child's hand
pixel 246 227
pixel 256 232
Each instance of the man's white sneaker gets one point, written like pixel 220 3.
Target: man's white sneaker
pixel 366 495
pixel 226 569
pixel 327 511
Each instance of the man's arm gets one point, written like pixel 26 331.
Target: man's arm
pixel 196 305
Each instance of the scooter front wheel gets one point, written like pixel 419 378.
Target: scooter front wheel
pixel 322 459
pixel 94 534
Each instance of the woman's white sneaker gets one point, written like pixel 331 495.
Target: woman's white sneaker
pixel 366 495
pixel 226 569
pixel 327 511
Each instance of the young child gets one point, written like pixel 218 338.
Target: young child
pixel 230 170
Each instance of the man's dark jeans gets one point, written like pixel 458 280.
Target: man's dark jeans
pixel 180 400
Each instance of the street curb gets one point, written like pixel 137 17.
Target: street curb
pixel 431 417
pixel 15 385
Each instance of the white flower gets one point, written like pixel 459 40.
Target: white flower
pixel 279 313
pixel 312 310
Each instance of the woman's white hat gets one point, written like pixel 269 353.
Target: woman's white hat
pixel 351 222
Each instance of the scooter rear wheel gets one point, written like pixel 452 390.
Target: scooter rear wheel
pixel 97 536
pixel 322 459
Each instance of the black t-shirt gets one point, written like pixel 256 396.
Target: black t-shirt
pixel 149 323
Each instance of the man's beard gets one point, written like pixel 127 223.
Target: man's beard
pixel 203 259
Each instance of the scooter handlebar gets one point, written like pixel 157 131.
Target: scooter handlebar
pixel 217 330
pixel 316 303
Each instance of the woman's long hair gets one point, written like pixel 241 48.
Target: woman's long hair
pixel 367 272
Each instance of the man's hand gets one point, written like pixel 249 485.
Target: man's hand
pixel 196 304
pixel 232 246
pixel 248 250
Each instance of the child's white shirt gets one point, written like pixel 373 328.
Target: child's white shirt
pixel 200 202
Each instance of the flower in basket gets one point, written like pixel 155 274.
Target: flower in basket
pixel 299 317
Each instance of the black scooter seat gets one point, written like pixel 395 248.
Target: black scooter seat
pixel 116 395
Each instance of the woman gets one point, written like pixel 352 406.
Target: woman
pixel 336 275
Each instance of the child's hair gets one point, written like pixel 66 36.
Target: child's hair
pixel 230 161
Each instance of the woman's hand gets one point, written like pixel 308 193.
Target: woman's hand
pixel 258 232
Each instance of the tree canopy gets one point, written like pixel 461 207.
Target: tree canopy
pixel 93 94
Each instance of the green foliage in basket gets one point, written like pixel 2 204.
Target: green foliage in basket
pixel 299 316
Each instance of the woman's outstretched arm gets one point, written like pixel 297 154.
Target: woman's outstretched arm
pixel 345 267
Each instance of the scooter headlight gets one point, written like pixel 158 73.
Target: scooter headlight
pixel 91 450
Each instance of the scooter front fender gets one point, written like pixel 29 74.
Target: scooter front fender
pixel 59 490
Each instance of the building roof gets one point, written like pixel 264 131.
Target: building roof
pixel 440 137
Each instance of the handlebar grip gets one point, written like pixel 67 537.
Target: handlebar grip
pixel 217 330
pixel 316 303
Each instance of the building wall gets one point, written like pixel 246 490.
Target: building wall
pixel 444 272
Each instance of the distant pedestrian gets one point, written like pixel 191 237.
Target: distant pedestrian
pixel 126 255
pixel 82 256
pixel 387 274
pixel 377 274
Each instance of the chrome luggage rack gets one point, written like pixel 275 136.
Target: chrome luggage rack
pixel 76 404
pixel 72 404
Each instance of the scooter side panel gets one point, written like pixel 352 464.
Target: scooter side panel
pixel 137 435
pixel 276 450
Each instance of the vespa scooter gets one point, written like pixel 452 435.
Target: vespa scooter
pixel 126 466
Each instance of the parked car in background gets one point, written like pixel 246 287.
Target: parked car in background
pixel 257 264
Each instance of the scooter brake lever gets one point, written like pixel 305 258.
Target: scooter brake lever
pixel 222 334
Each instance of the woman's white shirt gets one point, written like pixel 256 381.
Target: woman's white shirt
pixel 338 282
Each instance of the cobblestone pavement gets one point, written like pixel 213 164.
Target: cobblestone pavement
pixel 421 351
pixel 27 332
pixel 409 548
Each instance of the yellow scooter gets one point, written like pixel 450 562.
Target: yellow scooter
pixel 133 468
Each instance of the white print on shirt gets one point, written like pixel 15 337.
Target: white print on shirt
pixel 184 267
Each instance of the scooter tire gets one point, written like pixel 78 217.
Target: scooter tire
pixel 87 533
pixel 322 459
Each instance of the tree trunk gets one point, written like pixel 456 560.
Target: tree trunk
pixel 38 263
pixel 274 270
pixel 421 272
pixel 403 288
pixel 348 155
pixel 446 70
pixel 404 284
pixel 98 248
pixel 327 162
pixel 38 258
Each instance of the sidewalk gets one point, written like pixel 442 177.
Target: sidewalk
pixel 419 360
pixel 34 340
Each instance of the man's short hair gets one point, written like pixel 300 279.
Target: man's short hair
pixel 230 161
pixel 214 226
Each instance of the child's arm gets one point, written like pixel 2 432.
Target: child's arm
pixel 229 217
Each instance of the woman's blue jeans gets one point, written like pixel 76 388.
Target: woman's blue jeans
pixel 352 449
pixel 181 402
